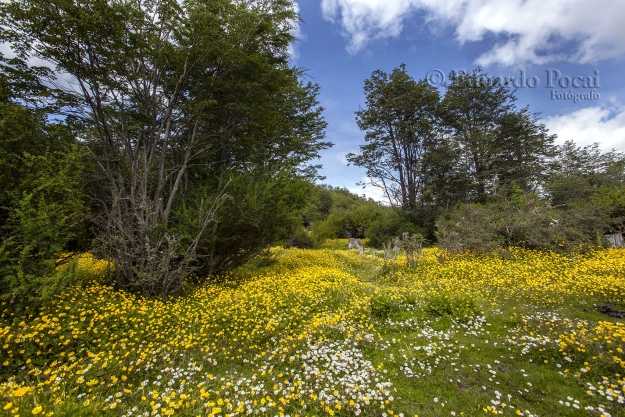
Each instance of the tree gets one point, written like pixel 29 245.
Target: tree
pixel 160 87
pixel 266 130
pixel 497 144
pixel 400 120
pixel 577 172
pixel 425 152
pixel 43 206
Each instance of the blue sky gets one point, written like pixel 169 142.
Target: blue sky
pixel 550 43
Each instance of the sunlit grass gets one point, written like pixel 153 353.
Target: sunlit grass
pixel 331 332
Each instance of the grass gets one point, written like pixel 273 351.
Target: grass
pixel 330 332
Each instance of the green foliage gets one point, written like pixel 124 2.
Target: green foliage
pixel 382 306
pixel 301 239
pixel 497 144
pixel 426 152
pixel 346 224
pixel 201 132
pixel 320 205
pixel 393 223
pixel 341 214
pixel 47 213
pixel 521 219
pixel 46 216
pixel 42 205
pixel 401 121
pixel 586 182
pixel 458 307
pixel 258 211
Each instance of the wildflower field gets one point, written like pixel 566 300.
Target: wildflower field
pixel 331 332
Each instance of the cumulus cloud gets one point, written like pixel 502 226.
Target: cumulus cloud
pixel 527 31
pixel 365 20
pixel 604 125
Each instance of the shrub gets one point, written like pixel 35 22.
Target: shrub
pixel 470 227
pixel 259 210
pixel 390 225
pixel 302 240
pixel 346 224
pixel 522 220
pixel 45 216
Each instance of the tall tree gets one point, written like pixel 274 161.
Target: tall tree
pixel 400 121
pixel 498 144
pixel 157 84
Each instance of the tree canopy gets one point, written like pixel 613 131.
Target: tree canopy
pixel 196 125
pixel 400 124
pixel 426 149
pixel 473 163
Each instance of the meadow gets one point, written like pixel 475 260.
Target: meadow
pixel 331 332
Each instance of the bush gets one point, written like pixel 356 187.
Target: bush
pixel 45 216
pixel 259 211
pixel 470 227
pixel 302 240
pixel 522 220
pixel 346 224
pixel 390 225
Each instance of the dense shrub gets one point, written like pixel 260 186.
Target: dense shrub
pixel 522 220
pixel 257 211
pixel 346 224
pixel 391 224
pixel 45 214
pixel 302 239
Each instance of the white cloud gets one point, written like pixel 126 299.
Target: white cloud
pixel 604 125
pixel 529 31
pixel 365 20
pixel 297 32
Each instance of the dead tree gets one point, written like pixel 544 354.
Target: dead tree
pixel 413 246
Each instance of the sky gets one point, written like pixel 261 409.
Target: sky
pixel 566 58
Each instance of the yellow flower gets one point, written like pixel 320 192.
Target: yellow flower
pixel 6 407
pixel 21 391
pixel 37 409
